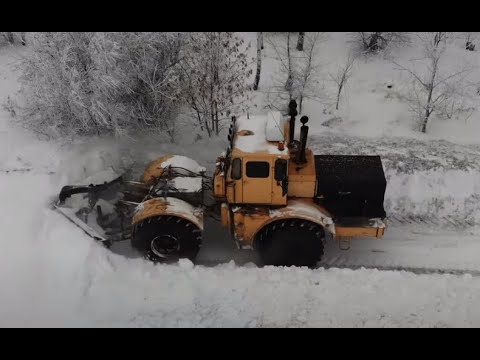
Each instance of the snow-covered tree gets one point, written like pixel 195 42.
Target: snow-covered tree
pixel 150 74
pixel 371 42
pixel 10 37
pixel 259 60
pixel 341 76
pixel 214 72
pixel 284 84
pixel 100 83
pixel 298 76
pixel 290 66
pixel 308 73
pixel 433 88
pixel 470 38
pixel 300 41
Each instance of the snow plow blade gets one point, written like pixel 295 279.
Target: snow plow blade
pixel 69 190
pixel 106 211
pixel 104 227
pixel 72 216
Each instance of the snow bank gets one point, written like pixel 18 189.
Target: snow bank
pixel 76 282
pixel 427 178
pixel 99 289
pixel 451 193
pixel 460 131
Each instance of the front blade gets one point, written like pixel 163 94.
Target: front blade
pixel 70 214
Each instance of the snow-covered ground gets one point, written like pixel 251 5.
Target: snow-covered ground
pixel 52 274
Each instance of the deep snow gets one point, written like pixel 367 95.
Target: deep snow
pixel 52 274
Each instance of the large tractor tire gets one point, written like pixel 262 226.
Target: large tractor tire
pixel 291 242
pixel 167 239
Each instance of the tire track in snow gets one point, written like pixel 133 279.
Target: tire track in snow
pixel 414 270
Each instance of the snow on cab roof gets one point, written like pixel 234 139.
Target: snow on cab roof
pixel 252 133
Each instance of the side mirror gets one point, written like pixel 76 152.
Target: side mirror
pixel 280 169
pixel 236 169
pixel 281 174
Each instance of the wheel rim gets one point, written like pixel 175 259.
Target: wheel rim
pixel 165 246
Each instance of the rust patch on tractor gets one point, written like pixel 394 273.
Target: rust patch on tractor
pixel 154 170
pixel 162 207
pixel 245 133
pixel 150 208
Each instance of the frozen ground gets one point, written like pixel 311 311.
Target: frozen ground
pixel 52 274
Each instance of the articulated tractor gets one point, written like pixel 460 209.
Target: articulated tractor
pixel 269 190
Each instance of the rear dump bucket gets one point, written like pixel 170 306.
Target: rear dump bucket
pixel 351 186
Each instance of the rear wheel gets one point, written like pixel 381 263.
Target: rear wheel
pixel 167 238
pixel 292 242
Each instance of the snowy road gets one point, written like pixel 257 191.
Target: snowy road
pixel 404 246
pixel 413 246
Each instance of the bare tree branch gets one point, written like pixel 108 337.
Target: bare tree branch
pixel 437 93
pixel 411 73
pixel 342 75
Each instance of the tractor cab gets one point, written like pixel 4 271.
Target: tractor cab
pixel 263 164
pixel 258 161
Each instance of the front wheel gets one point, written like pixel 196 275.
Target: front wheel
pixel 291 242
pixel 167 238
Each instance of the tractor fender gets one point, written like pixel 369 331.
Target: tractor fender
pixel 183 164
pixel 301 209
pixel 168 206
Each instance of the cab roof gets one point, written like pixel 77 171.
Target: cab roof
pixel 252 134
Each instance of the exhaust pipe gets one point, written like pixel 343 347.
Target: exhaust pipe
pixel 292 107
pixel 301 158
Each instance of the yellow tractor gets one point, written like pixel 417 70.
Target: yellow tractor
pixel 273 194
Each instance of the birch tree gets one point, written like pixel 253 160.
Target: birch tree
pixel 432 87
pixel 309 70
pixel 300 40
pixel 259 60
pixel 372 42
pixel 214 75
pixel 341 76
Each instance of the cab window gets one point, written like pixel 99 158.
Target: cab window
pixel 257 169
pixel 236 169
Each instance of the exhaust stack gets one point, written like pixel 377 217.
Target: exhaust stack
pixel 301 158
pixel 292 107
